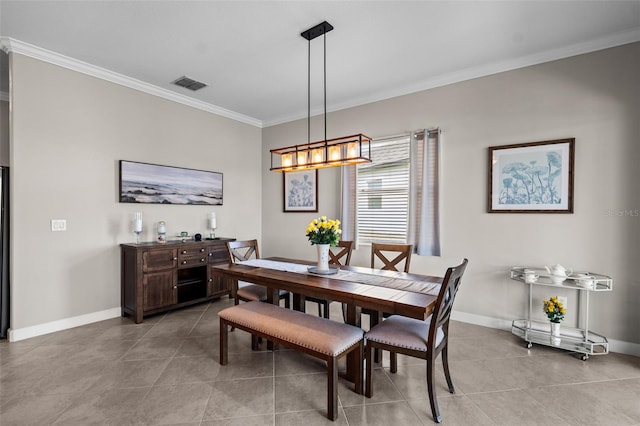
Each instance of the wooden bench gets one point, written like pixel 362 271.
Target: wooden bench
pixel 319 337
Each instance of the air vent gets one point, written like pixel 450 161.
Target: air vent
pixel 189 83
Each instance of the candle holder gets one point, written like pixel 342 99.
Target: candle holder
pixel 137 225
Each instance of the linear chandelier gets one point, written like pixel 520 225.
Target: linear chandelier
pixel 343 151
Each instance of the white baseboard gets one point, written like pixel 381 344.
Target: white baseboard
pixel 63 324
pixel 618 346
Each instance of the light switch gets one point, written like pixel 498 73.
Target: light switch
pixel 58 224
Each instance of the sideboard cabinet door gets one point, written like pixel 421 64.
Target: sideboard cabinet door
pixel 159 289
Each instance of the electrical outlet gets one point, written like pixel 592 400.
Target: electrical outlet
pixel 563 300
pixel 58 224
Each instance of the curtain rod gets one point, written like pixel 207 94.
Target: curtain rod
pixel 433 131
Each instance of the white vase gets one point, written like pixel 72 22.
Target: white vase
pixel 323 257
pixel 555 333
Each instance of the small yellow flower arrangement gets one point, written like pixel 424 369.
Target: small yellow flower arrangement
pixel 324 231
pixel 554 309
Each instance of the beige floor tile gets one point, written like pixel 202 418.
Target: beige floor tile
pixel 264 420
pixel 173 404
pixel 301 392
pixel 34 409
pixel 578 407
pixel 514 407
pixel 240 398
pixel 384 414
pixel 309 418
pixel 454 411
pixel 166 371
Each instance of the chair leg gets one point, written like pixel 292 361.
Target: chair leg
pixel 445 364
pixel 374 319
pixel 359 375
pixel 319 309
pixel 393 359
pixel 332 388
pixel 325 305
pixel 255 342
pixel 287 303
pixel 368 392
pixel 433 401
pixel 223 342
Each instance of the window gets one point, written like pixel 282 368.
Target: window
pixel 382 194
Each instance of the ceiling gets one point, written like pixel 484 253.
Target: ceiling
pixel 254 60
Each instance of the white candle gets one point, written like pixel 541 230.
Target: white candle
pixel 212 220
pixel 137 222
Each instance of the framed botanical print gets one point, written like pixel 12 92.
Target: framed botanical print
pixel 300 191
pixel 535 177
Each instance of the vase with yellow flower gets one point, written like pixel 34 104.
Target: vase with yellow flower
pixel 323 233
pixel 555 311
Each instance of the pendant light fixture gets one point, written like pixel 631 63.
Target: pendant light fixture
pixel 343 151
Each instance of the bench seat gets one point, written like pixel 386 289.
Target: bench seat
pixel 319 337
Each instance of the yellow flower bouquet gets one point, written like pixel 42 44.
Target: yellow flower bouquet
pixel 554 309
pixel 324 231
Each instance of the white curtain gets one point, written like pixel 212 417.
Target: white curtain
pixel 348 205
pixel 424 215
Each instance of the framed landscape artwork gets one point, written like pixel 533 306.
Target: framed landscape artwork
pixel 535 177
pixel 300 191
pixel 156 184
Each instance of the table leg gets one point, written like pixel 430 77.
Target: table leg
pixel 299 302
pixel 354 357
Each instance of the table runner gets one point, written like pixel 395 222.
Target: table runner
pixel 396 283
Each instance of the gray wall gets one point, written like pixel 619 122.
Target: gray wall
pixel 594 98
pixel 69 131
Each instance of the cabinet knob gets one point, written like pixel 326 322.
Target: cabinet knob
pixel 203 260
pixel 202 250
pixel 175 286
pixel 184 262
pixel 210 254
pixel 184 252
pixel 210 279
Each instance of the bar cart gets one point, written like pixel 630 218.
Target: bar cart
pixel 580 340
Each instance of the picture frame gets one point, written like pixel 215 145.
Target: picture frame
pixel 300 191
pixel 534 177
pixel 144 183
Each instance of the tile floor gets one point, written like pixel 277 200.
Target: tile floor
pixel 165 371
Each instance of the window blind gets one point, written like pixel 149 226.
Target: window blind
pixel 383 192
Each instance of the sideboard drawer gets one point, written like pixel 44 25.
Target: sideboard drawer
pixel 192 251
pixel 191 261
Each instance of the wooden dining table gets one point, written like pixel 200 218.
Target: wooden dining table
pixel 356 287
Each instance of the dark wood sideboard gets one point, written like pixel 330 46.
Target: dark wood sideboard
pixel 160 277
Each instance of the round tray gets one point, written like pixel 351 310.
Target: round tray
pixel 331 271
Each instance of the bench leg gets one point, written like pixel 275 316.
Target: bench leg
pixel 332 388
pixel 224 350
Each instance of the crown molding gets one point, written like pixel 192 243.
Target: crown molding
pixel 614 40
pixel 16 46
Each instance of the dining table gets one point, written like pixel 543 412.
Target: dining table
pixel 391 292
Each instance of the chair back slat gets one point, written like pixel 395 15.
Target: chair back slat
pixel 444 303
pixel 342 254
pixel 380 252
pixel 242 250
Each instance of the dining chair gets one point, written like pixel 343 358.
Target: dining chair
pixel 245 250
pixel 380 259
pixel 340 255
pixel 417 338
pixel 380 253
